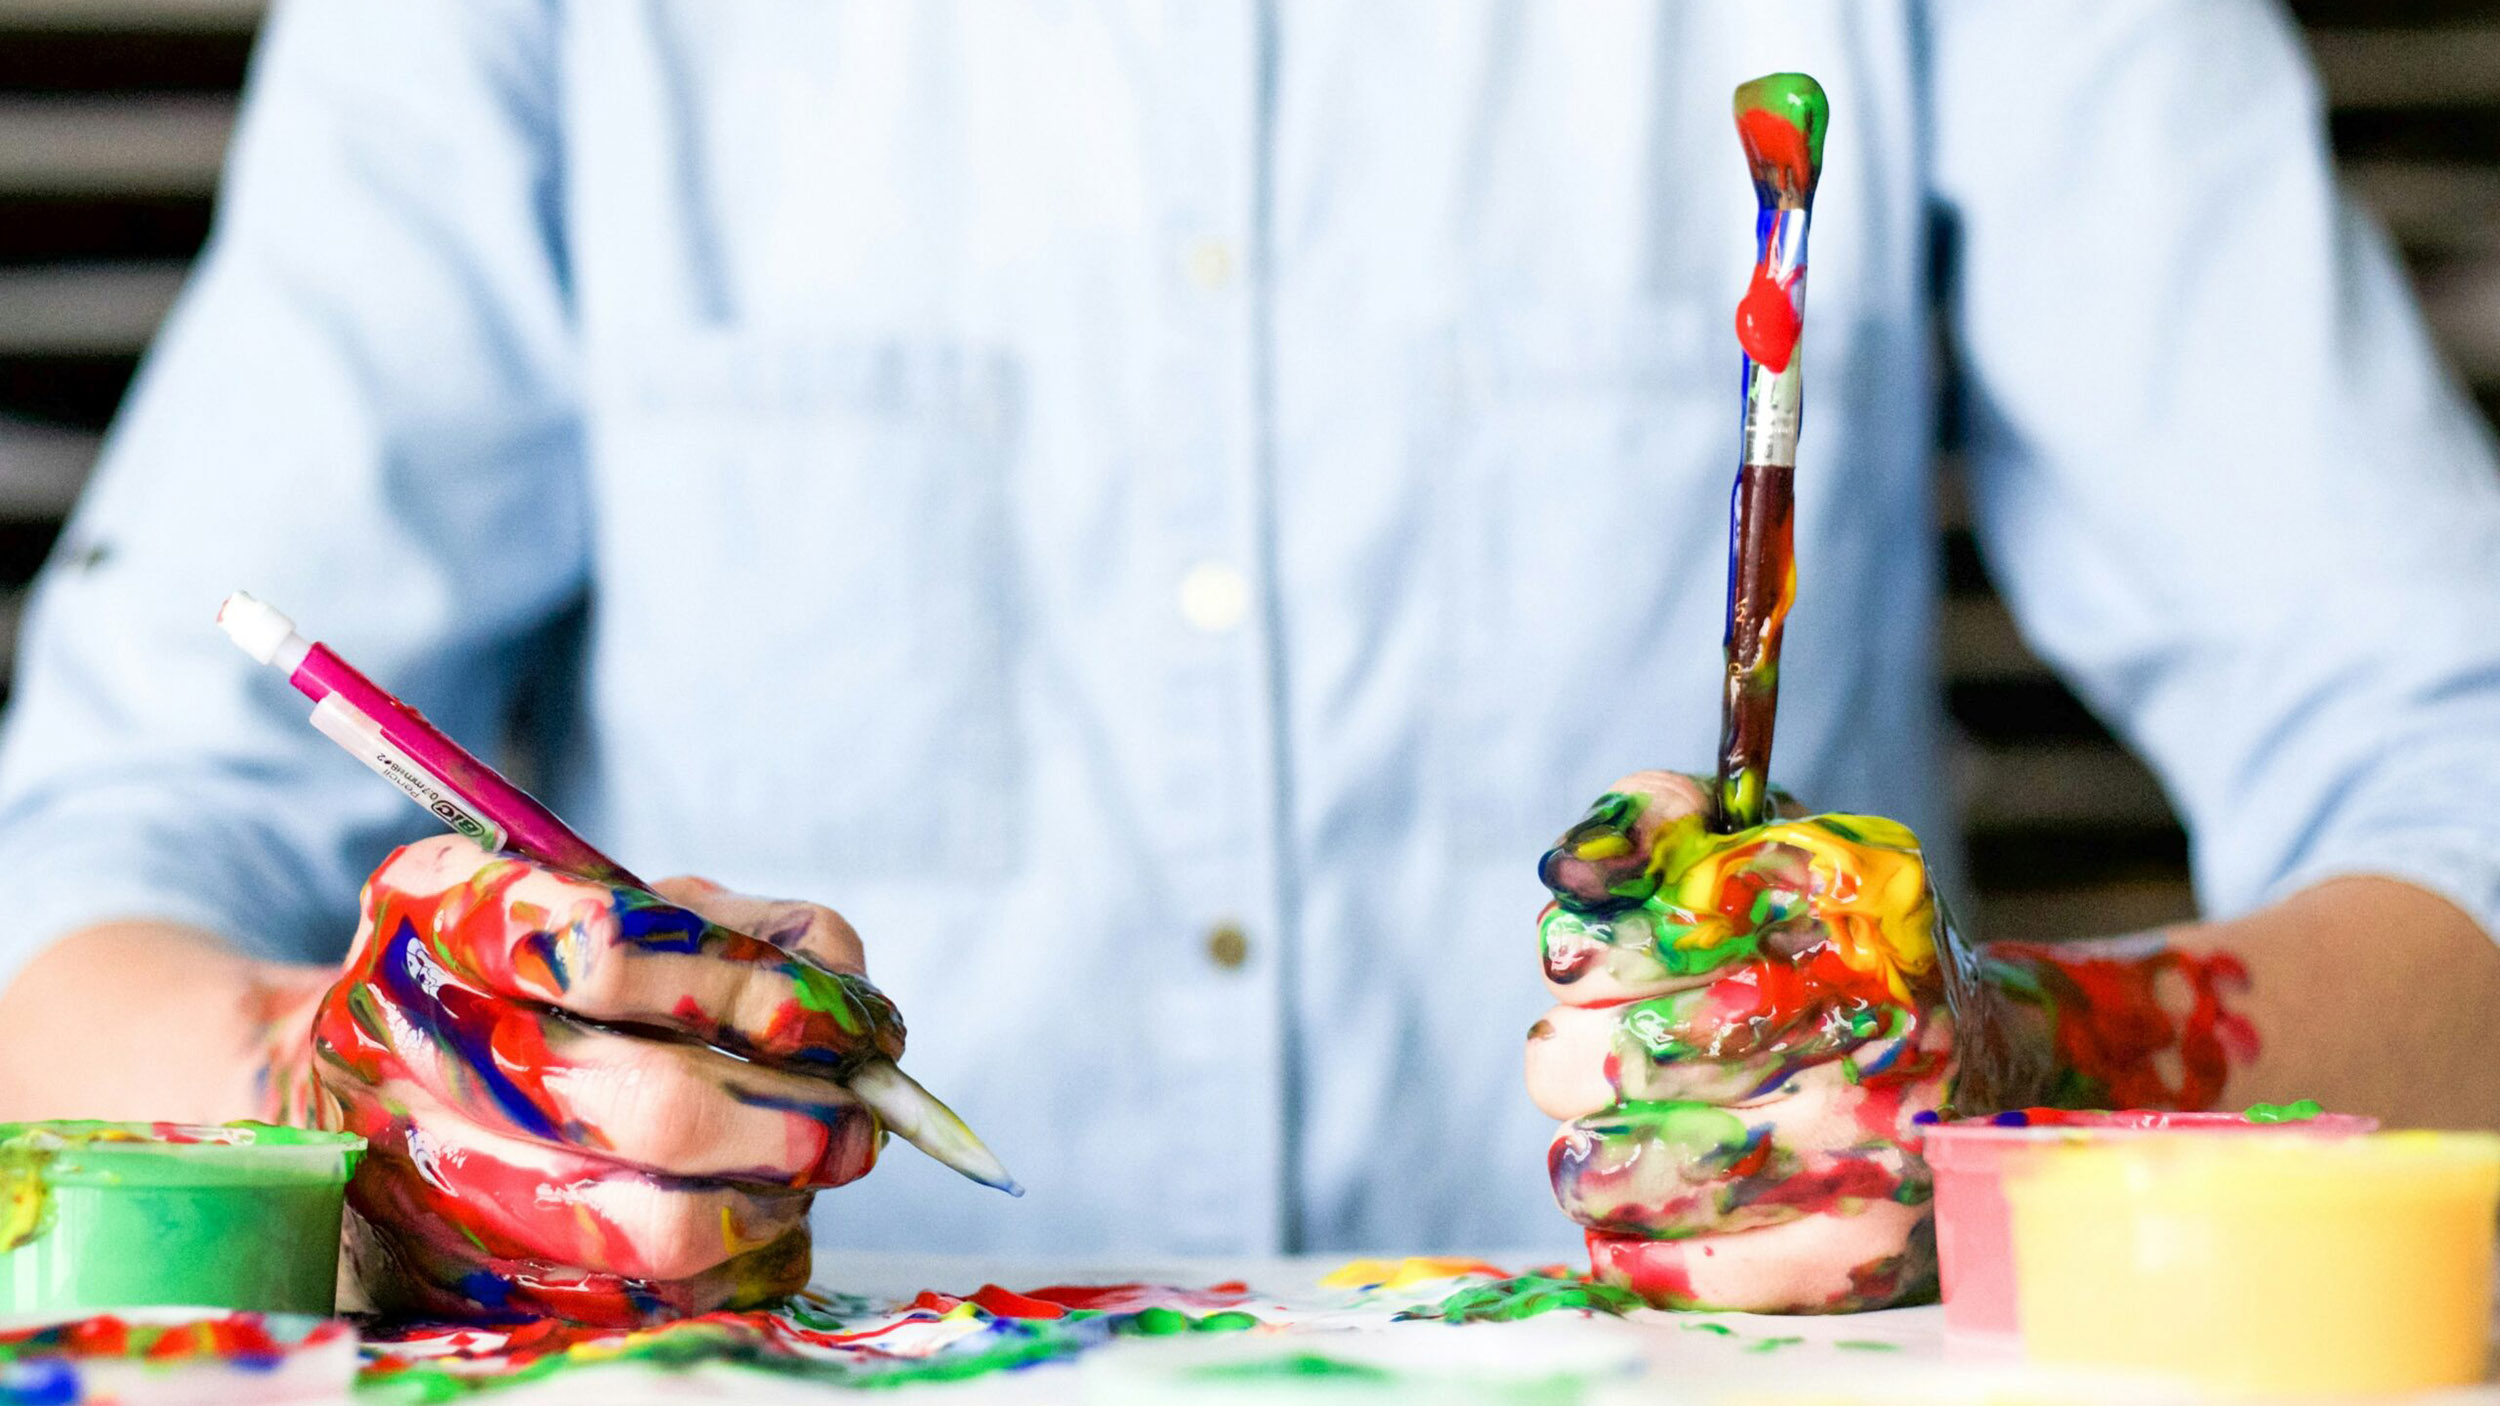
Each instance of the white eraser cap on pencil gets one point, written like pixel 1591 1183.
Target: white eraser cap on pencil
pixel 258 629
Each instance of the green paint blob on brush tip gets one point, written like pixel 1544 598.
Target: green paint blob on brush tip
pixel 2300 1112
pixel 1782 118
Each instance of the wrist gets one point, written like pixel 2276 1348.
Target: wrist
pixel 283 1003
pixel 143 1021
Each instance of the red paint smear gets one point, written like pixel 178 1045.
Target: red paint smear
pixel 2110 1023
pixel 997 1302
pixel 1752 1163
pixel 1128 1298
pixel 1851 1179
pixel 1766 321
pixel 235 1337
pixel 106 1336
pixel 1775 145
pixel 1653 1269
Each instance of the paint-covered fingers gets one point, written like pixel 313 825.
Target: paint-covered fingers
pixel 1743 1038
pixel 1671 1170
pixel 1748 1022
pixel 682 1111
pixel 548 1073
pixel 1878 1257
pixel 624 956
pixel 810 930
pixel 1814 1203
pixel 455 1217
pixel 1603 863
pixel 672 1108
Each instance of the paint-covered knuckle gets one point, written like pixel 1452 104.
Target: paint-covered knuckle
pixel 1666 794
pixel 614 965
pixel 1593 959
pixel 673 1120
pixel 813 1017
pixel 1675 1169
pixel 432 865
pixel 685 1234
pixel 817 933
pixel 1604 862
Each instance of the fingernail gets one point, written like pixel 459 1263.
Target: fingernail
pixel 1596 865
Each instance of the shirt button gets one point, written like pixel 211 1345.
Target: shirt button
pixel 1210 263
pixel 1228 946
pixel 1214 597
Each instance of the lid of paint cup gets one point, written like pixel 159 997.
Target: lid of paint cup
pixel 89 1152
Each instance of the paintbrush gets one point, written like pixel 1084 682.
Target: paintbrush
pixel 1780 119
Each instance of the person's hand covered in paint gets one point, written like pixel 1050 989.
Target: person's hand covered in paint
pixel 590 1101
pixel 1749 1025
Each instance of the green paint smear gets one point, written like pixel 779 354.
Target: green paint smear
pixel 1691 1130
pixel 828 993
pixel 1719 1328
pixel 1301 1366
pixel 2300 1112
pixel 1771 1344
pixel 1796 99
pixel 1526 1296
pixel 1867 1345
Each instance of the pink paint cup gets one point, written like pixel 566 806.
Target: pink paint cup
pixel 1974 1229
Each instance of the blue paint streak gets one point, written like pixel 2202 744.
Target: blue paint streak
pixel 551 952
pixel 45 1381
pixel 486 1289
pixel 821 1112
pixel 456 1018
pixel 655 926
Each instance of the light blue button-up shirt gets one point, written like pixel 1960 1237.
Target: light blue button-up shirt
pixel 1053 480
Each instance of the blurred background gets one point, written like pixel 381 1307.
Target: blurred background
pixel 115 113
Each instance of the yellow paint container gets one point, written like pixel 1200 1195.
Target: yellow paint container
pixel 2283 1266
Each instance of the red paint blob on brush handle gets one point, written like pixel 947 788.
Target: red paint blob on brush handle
pixel 1767 323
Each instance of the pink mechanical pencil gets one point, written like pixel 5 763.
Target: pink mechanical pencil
pixel 472 798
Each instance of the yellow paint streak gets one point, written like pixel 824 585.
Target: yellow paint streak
pixel 1399 1274
pixel 1870 894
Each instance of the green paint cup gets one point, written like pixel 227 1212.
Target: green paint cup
pixel 118 1215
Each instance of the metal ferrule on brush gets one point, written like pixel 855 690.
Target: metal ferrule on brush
pixel 1775 400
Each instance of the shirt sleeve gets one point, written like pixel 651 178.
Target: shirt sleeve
pixel 360 410
pixel 2218 468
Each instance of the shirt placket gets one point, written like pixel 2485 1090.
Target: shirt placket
pixel 1216 1016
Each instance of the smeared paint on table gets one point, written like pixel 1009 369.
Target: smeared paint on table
pixel 1179 1331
